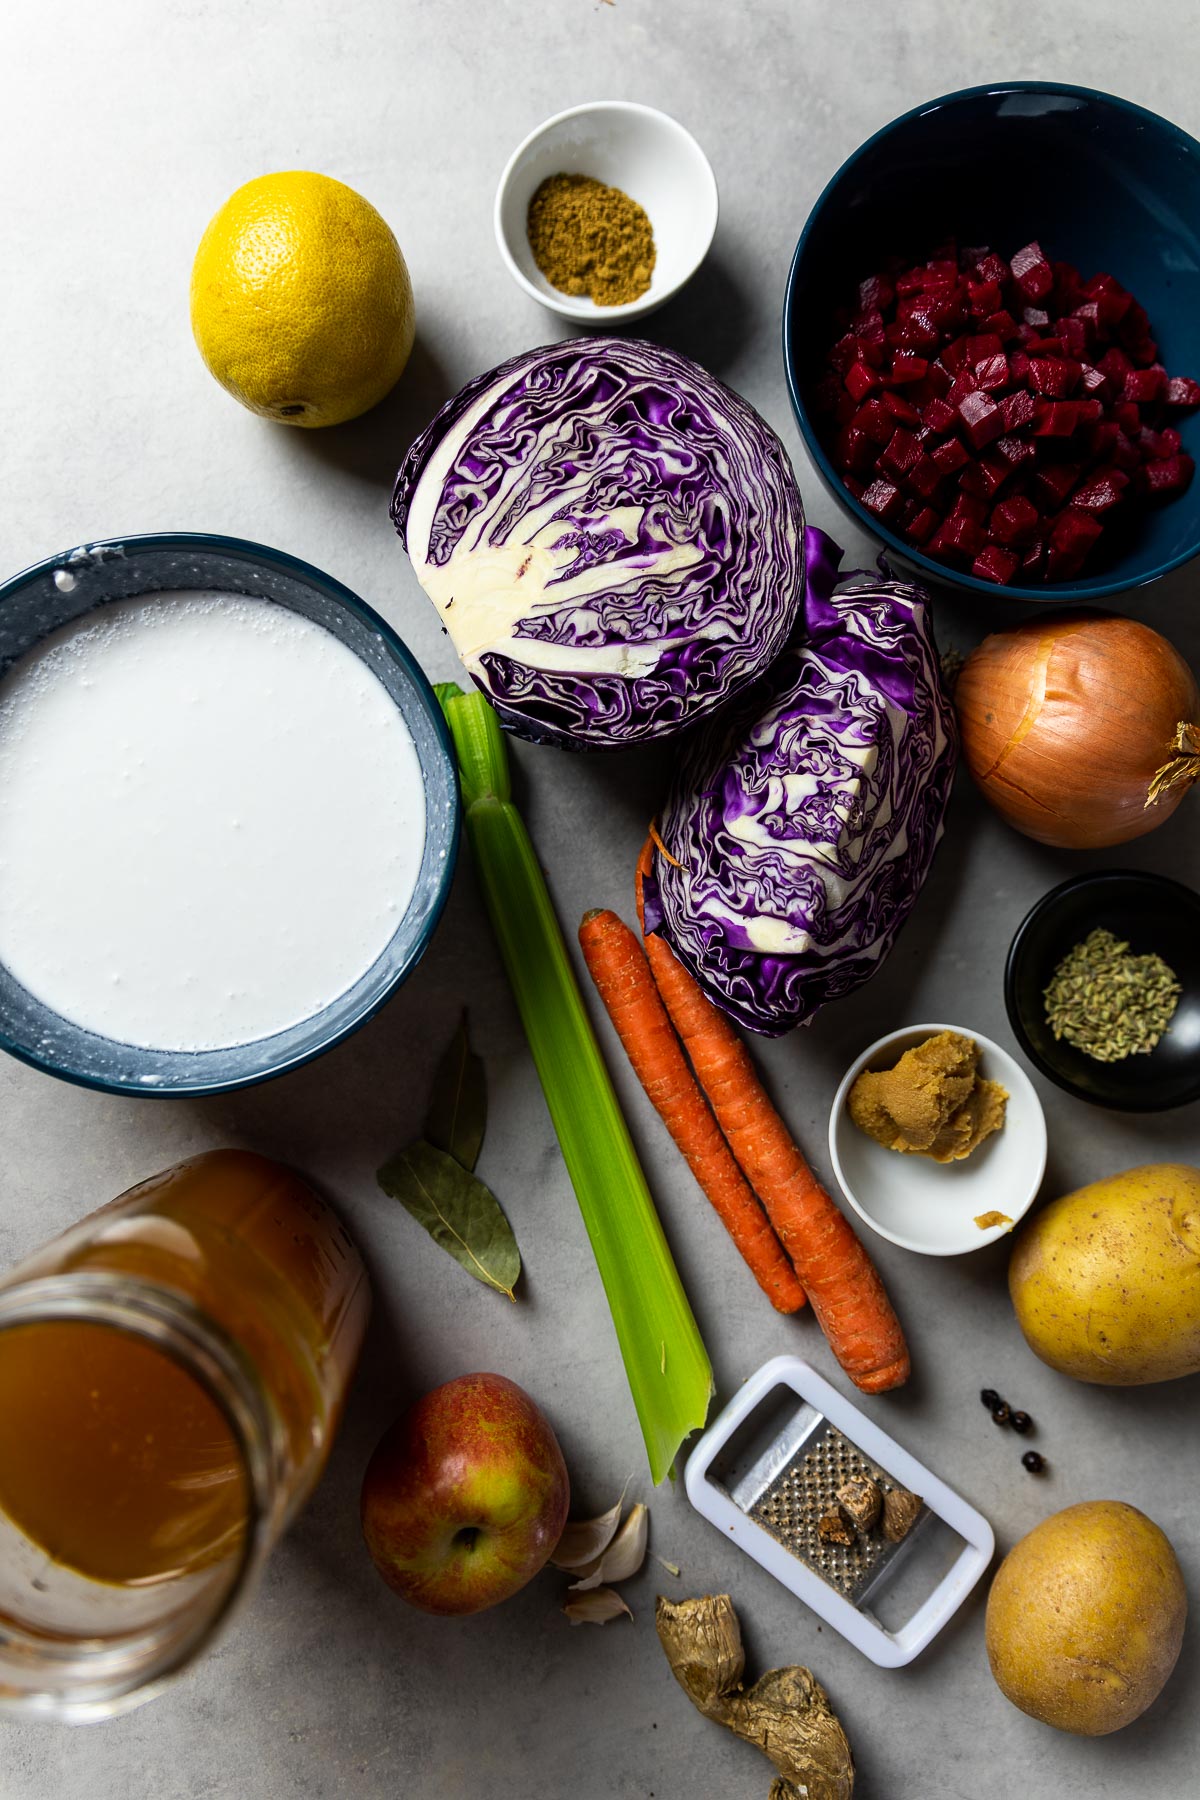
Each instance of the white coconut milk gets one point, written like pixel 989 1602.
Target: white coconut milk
pixel 211 820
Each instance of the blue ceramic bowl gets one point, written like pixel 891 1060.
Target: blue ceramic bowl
pixel 58 590
pixel 1098 181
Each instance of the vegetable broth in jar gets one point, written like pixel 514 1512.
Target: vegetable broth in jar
pixel 172 1372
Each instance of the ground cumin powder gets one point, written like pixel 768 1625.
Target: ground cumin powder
pixel 588 239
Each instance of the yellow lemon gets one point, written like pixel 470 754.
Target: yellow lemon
pixel 301 302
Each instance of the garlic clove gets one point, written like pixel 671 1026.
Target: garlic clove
pixel 624 1556
pixel 584 1541
pixel 596 1607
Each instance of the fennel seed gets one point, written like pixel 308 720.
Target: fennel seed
pixel 1108 1002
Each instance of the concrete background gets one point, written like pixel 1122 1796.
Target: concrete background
pixel 122 127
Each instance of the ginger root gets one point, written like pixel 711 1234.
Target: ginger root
pixel 786 1713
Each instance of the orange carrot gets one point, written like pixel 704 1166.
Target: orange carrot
pixel 844 1286
pixel 624 982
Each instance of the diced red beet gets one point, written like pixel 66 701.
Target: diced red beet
pixel 981 345
pixel 1032 273
pixel 876 421
pixel 1018 409
pixel 924 478
pixel 994 471
pixel 883 498
pixel 1015 451
pixel 970 507
pixel 902 410
pixel 958 537
pixel 1127 452
pixel 1144 386
pixel 1072 535
pixel 1101 492
pixel 991 267
pixel 876 293
pixel 906 367
pixel 860 380
pixel 955 355
pixel 1115 364
pixel 1111 299
pixel 936 399
pixel 900 455
pixel 950 456
pixel 1018 365
pixel 995 564
pixel 992 373
pixel 939 415
pixel 964 383
pixel 1183 391
pixel 922 525
pixel 1073 337
pixel 982 419
pixel 1015 521
pixel 1002 324
pixel 984 297
pixel 1057 418
pixel 1162 480
pixel 1054 376
pixel 1095 383
pixel 854 450
pixel 1052 484
pixel 971 481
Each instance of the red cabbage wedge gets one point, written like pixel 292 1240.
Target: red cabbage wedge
pixel 612 538
pixel 803 822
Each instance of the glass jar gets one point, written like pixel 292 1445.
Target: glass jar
pixel 172 1372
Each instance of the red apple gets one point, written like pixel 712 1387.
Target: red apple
pixel 465 1496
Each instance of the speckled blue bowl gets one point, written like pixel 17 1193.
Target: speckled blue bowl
pixel 58 590
pixel 1100 182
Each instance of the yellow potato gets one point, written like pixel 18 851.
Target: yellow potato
pixel 1106 1281
pixel 1085 1618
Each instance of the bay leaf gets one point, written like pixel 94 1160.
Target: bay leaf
pixel 457 1210
pixel 458 1107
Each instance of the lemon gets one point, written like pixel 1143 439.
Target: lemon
pixel 301 302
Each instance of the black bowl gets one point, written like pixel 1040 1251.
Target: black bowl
pixel 1101 182
pixel 1154 915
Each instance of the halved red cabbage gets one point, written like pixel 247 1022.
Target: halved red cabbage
pixel 803 822
pixel 612 537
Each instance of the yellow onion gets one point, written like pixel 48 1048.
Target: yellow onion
pixel 1082 729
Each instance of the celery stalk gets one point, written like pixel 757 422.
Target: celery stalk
pixel 665 1360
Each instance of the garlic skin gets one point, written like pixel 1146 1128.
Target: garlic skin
pixel 596 1607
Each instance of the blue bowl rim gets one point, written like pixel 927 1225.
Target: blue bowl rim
pixel 1060 592
pixel 247 550
pixel 1185 897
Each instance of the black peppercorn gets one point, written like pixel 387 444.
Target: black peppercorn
pixel 1033 1462
pixel 990 1397
pixel 1001 1414
pixel 1021 1422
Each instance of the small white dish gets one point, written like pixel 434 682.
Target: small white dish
pixel 646 154
pixel 928 1206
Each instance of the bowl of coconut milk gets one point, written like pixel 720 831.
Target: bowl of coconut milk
pixel 228 814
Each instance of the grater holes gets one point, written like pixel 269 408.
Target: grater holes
pixel 803 1492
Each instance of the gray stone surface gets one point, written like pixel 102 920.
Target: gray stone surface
pixel 122 127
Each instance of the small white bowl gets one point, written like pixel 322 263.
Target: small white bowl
pixel 929 1206
pixel 646 154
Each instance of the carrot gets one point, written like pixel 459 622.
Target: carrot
pixel 631 999
pixel 847 1294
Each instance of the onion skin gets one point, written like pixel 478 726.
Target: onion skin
pixel 1065 722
